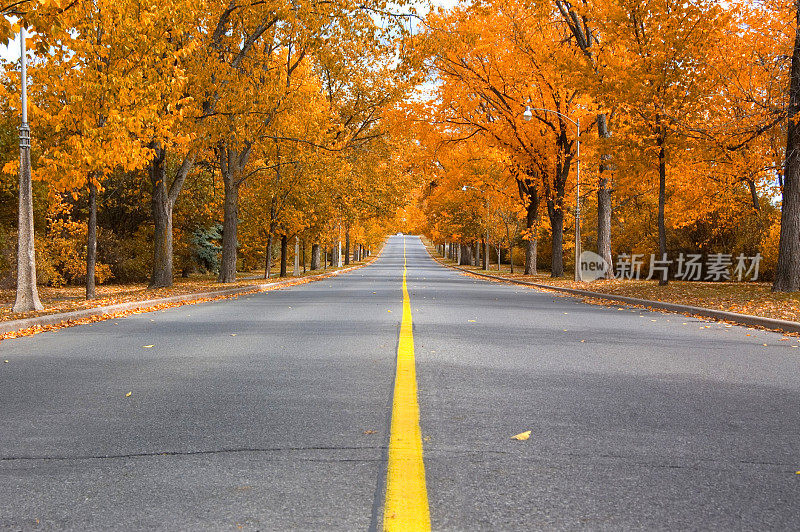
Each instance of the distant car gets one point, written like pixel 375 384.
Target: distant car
pixel 399 234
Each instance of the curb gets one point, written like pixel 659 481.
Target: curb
pixel 733 317
pixel 197 297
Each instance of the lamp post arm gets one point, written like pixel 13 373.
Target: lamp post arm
pixel 562 115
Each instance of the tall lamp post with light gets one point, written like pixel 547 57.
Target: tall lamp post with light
pixel 27 294
pixel 528 116
pixel 486 240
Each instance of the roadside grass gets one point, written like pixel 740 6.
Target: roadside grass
pixel 70 298
pixel 756 299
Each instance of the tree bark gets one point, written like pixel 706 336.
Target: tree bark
pixel 347 246
pixel 304 255
pixel 662 201
pixel 231 163
pixel 315 258
pixel 466 255
pixel 284 253
pixel 27 298
pixel 227 270
pixel 164 196
pixel 556 215
pixel 268 257
pixel 296 269
pixel 91 242
pixel 604 207
pixel 529 195
pixel 787 274
pixel 162 221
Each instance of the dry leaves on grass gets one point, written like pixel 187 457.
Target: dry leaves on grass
pixel 756 299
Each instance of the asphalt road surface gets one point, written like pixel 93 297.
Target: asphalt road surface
pixel 272 412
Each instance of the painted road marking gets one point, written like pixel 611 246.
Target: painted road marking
pixel 406 505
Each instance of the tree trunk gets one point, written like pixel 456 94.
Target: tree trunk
pixel 284 252
pixel 315 252
pixel 532 228
pixel 268 256
pixel 662 200
pixel 162 221
pixel 347 246
pixel 304 255
pixel 485 248
pixel 231 163
pixel 604 208
pixel 556 215
pixel 227 270
pixel 162 203
pixel 91 242
pixel 787 274
pixel 296 269
pixel 27 292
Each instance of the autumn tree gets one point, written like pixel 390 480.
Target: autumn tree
pixel 656 73
pixel 492 67
pixel 90 95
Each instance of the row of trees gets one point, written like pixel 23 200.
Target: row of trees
pixel 685 116
pixel 270 118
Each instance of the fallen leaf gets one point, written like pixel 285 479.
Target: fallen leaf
pixel 388 311
pixel 472 321
pixel 233 334
pixel 147 346
pixel 5 361
pixel 128 394
pixel 369 432
pixel 522 436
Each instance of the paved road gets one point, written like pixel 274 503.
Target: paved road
pixel 272 412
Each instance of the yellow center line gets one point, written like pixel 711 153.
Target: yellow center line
pixel 406 505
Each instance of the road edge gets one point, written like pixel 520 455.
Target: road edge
pixel 731 317
pixel 38 324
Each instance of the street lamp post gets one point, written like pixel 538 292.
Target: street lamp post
pixel 27 294
pixel 528 116
pixel 486 240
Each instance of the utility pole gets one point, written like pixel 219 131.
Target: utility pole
pixel 27 293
